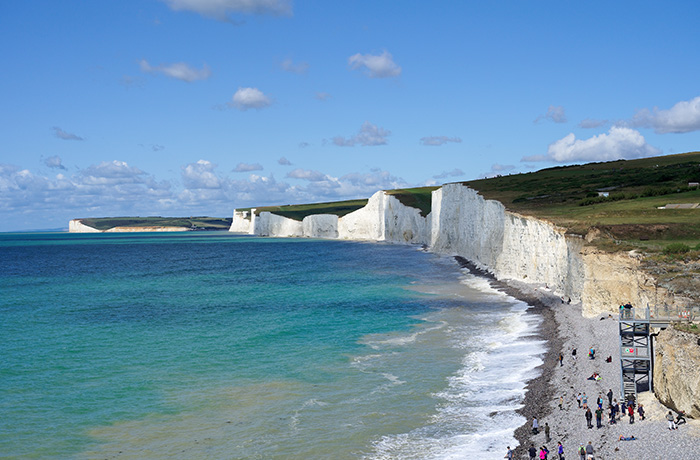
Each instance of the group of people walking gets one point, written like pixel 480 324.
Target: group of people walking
pixel 615 410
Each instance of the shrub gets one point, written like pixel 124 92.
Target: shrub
pixel 676 248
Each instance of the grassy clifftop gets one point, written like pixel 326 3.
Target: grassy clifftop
pixel 569 196
pixel 196 223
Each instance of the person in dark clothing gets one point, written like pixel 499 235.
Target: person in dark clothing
pixel 599 417
pixel 640 411
pixel 610 396
pixel 532 452
pixel 589 418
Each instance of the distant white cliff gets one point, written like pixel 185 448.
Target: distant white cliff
pixel 77 226
pixel 461 223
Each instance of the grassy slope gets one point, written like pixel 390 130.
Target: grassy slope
pixel 555 194
pixel 202 223
pixel 299 211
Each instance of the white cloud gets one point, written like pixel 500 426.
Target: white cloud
pixel 438 140
pixel 619 143
pixel 221 9
pixel 54 162
pixel 306 174
pixel 380 66
pixel 178 70
pixel 369 135
pixel 445 174
pixel 284 162
pixel 61 134
pixel 321 96
pixel 590 123
pixel 497 168
pixel 247 167
pixel 684 117
pixel 299 68
pixel 249 98
pixel 108 188
pixel 116 188
pixel 200 175
pixel 554 113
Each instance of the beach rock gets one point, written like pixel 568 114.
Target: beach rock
pixel 676 371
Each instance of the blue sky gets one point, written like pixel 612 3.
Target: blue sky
pixel 195 107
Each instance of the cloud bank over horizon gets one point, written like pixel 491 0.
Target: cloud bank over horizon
pixel 618 143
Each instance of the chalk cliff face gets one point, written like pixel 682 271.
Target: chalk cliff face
pixel 462 223
pixel 676 376
pixel 509 245
pixel 320 226
pixel 76 226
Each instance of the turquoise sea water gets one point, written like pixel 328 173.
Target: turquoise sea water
pixel 212 345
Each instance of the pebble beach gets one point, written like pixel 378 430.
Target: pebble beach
pixel 566 329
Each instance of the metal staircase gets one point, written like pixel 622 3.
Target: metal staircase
pixel 636 343
pixel 635 353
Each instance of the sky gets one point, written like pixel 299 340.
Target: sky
pixel 197 107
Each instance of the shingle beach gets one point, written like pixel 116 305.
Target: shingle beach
pixel 565 329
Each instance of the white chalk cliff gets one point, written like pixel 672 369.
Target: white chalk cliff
pixel 511 246
pixel 461 222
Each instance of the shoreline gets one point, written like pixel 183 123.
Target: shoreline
pixel 540 390
pixel 564 328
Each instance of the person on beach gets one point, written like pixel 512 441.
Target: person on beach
pixel 543 455
pixel 610 396
pixel 546 432
pixel 599 418
pixel 535 426
pixel 561 359
pixel 560 451
pixel 589 418
pixel 589 450
pixel 582 452
pixel 578 400
pixel 573 353
pixel 671 422
pixel 631 412
pixel 561 402
pixel 611 421
pixel 623 409
pixel 532 452
pixel 584 400
pixel 509 454
pixel 640 411
pixel 591 353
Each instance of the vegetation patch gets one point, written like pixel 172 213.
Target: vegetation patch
pixel 420 198
pixel 194 223
pixel 299 211
pixel 690 327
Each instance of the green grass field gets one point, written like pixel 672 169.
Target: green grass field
pixel 198 223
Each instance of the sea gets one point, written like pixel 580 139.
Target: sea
pixel 211 345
